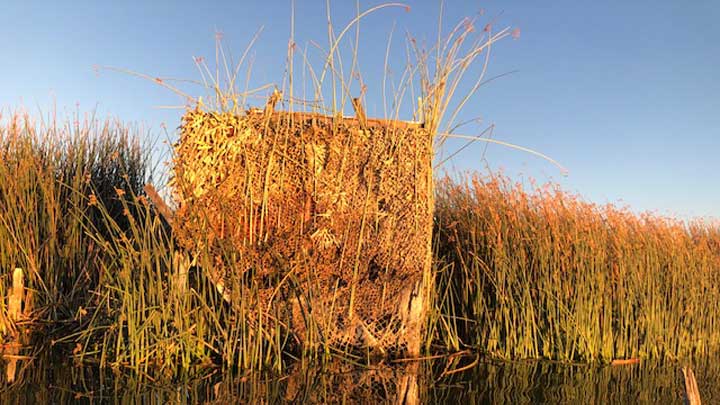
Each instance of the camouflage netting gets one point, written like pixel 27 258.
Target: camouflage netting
pixel 329 220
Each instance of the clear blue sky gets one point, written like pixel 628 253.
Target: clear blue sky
pixel 625 94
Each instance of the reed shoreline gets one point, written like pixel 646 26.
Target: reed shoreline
pixel 518 274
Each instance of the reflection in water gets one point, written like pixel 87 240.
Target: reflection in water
pixel 543 382
pixel 338 382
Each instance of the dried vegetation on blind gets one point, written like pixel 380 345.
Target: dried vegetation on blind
pixel 321 224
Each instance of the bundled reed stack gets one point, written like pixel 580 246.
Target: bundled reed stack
pixel 322 224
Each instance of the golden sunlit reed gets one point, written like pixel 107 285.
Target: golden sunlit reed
pixel 543 274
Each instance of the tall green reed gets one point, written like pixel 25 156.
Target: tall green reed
pixel 160 315
pixel 48 170
pixel 106 278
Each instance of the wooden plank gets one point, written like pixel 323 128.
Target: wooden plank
pixel 16 295
pixel 271 102
pixel 625 362
pixel 308 116
pixel 692 394
pixel 359 112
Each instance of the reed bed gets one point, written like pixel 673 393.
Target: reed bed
pixel 105 282
pixel 53 175
pixel 516 274
pixel 58 178
pixel 543 274
pixel 157 316
pixel 327 215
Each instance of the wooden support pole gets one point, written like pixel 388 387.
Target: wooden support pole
pixel 272 102
pixel 15 301
pixel 359 112
pixel 692 394
pixel 16 295
pixel 413 313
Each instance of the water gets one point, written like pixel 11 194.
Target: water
pixel 439 381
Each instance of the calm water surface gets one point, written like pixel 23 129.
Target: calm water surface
pixel 459 381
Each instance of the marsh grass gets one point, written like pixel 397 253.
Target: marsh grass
pixel 516 274
pixel 162 316
pixel 543 274
pixel 54 175
pixel 431 89
pixel 105 281
pixel 49 173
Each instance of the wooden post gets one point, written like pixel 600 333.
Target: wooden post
pixel 16 295
pixel 415 303
pixel 408 388
pixel 359 112
pixel 692 394
pixel 413 314
pixel 15 301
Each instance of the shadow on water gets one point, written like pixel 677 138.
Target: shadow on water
pixel 339 382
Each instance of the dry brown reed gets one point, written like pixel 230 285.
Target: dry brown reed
pixel 315 228
pixel 329 220
pixel 329 214
pixel 543 274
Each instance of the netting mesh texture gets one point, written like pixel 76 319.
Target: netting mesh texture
pixel 326 220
